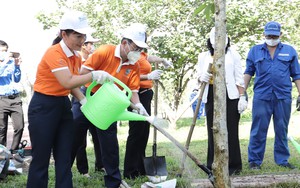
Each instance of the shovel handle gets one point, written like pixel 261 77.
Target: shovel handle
pixel 189 137
pixel 155 110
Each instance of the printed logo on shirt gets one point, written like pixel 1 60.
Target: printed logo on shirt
pixel 127 72
pixel 286 55
pixel 61 62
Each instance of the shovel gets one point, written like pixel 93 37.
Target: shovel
pixel 188 140
pixel 295 143
pixel 158 125
pixel 155 166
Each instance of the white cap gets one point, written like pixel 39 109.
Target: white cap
pixel 137 33
pixel 89 38
pixel 76 21
pixel 212 37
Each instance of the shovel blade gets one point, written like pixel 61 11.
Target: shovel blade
pixel 155 166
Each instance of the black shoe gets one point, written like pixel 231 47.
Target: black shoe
pixel 234 172
pixel 287 165
pixel 101 170
pixel 254 166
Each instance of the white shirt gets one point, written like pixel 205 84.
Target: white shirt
pixel 233 72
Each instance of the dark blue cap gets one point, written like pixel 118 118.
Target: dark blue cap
pixel 272 28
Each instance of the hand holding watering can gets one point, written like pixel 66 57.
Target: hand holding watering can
pixel 100 77
pixel 140 109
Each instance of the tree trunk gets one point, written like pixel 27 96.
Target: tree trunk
pixel 220 164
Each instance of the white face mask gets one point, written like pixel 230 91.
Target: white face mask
pixel 3 55
pixel 272 42
pixel 133 57
pixel 92 49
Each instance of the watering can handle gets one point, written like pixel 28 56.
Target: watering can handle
pixel 94 83
pixel 124 86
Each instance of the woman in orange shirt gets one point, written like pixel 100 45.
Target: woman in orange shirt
pixel 49 114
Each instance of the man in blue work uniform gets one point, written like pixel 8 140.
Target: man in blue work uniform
pixel 274 64
pixel 10 101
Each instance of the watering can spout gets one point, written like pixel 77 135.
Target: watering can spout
pixel 126 115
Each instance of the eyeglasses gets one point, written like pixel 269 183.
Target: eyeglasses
pixel 271 37
pixel 137 49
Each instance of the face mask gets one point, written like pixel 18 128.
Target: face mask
pixel 272 42
pixel 92 49
pixel 3 56
pixel 133 57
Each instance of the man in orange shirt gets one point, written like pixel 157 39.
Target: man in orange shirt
pixel 138 133
pixel 79 149
pixel 119 61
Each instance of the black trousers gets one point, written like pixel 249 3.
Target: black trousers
pixel 82 125
pixel 11 107
pixel 233 118
pixel 110 155
pixel 50 129
pixel 81 156
pixel 137 140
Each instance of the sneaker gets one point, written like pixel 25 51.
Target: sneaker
pixel 288 165
pixel 18 158
pixel 86 175
pixel 124 184
pixel 101 170
pixel 254 166
pixel 234 172
pixel 11 166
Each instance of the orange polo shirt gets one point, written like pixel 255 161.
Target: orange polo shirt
pixel 145 68
pixel 107 58
pixel 58 57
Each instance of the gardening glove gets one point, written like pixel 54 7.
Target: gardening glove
pixel 205 77
pixel 167 64
pixel 83 101
pixel 141 109
pixel 298 103
pixel 242 105
pixel 101 76
pixel 154 75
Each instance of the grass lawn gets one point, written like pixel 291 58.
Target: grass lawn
pixel 173 156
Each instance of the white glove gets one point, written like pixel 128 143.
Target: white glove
pixel 242 105
pixel 205 77
pixel 83 101
pixel 167 64
pixel 154 75
pixel 141 110
pixel 101 76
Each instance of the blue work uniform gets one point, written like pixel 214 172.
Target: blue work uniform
pixel 272 96
pixel 10 103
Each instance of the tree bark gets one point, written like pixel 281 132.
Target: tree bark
pixel 220 164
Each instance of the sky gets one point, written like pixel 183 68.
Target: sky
pixel 23 33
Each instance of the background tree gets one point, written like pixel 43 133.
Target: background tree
pixel 177 30
pixel 220 133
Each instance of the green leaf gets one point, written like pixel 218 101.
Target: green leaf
pixel 199 9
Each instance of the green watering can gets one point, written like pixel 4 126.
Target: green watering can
pixel 109 104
